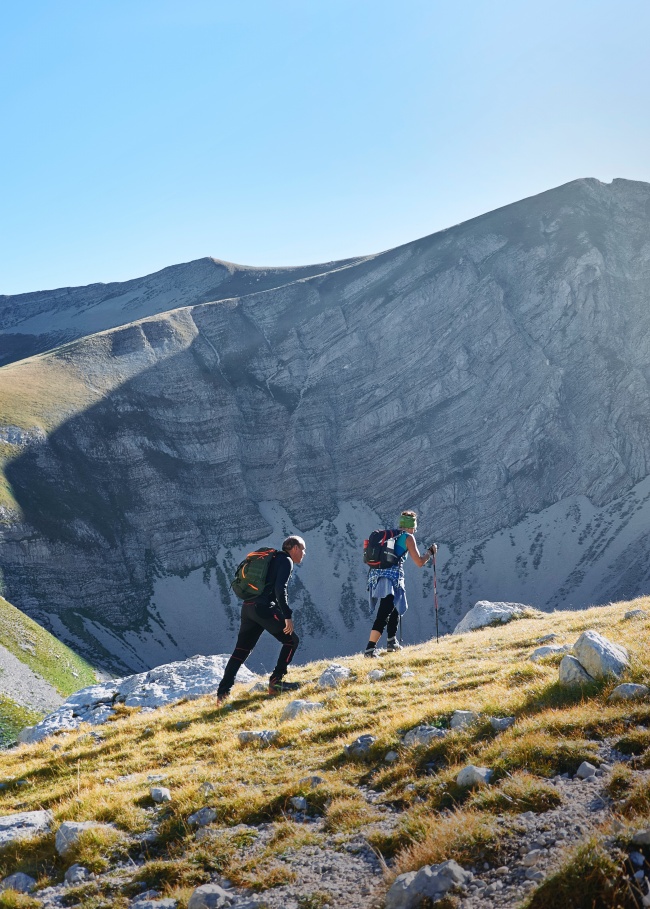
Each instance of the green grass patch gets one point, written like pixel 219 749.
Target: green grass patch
pixel 13 718
pixel 42 652
pixel 517 793
pixel 590 878
pixel 635 742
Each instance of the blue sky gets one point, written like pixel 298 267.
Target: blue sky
pixel 135 134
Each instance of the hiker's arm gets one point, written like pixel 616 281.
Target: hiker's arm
pixel 281 580
pixel 414 552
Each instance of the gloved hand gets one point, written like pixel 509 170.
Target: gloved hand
pixel 433 549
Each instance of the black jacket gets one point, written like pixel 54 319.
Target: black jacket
pixel 275 589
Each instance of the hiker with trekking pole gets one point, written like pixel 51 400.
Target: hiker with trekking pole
pixel 385 552
pixel 261 582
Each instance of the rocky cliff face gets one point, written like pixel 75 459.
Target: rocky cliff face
pixel 493 376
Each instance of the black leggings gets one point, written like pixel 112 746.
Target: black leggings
pixel 254 620
pixel 387 615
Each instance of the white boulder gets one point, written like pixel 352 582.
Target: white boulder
pixel 333 676
pixel 629 692
pixel 586 770
pixel 635 614
pixel 572 672
pixel 474 776
pixel 486 613
pixel 549 650
pixel 184 679
pixel 295 708
pixel 160 794
pixel 642 837
pixel 429 883
pixel 263 737
pixel 76 874
pixel 210 896
pixel 312 781
pixel 422 735
pixel 24 824
pixel 599 656
pixel 461 719
pixel 501 723
pixel 20 882
pixel 360 746
pixel 375 675
pixel 202 817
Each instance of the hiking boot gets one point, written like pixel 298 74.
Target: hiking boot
pixel 279 686
pixel 222 698
pixel 371 654
pixel 393 645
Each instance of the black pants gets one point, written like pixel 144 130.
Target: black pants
pixel 387 615
pixel 254 620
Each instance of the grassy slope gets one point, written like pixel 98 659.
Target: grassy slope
pixel 42 652
pixel 46 657
pixel 193 743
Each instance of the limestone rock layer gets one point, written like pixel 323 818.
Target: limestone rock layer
pixel 484 375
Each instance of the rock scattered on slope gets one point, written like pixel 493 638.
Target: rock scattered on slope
pixel 333 676
pixel 473 776
pixel 360 746
pixel 210 896
pixel 76 874
pixel 184 679
pixel 295 708
pixel 501 723
pixel 422 735
pixel 23 883
pixel 461 719
pixel 202 817
pixel 572 672
pixel 262 737
pixel 24 824
pixel 485 613
pixel 549 650
pixel 599 656
pixel 629 692
pixel 429 883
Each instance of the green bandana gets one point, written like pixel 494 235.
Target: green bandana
pixel 407 522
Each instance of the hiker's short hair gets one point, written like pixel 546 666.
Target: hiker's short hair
pixel 290 542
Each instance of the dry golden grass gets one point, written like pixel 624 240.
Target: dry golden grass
pixel 193 743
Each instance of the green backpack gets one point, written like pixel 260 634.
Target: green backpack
pixel 250 576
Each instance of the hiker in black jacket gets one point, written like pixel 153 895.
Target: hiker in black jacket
pixel 270 611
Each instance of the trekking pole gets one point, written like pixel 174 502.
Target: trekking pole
pixel 435 595
pixel 400 630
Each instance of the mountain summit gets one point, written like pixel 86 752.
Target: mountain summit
pixel 492 376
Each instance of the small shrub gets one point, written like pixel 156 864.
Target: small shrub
pixel 520 792
pixel 316 900
pixel 540 753
pixel 635 742
pixel 590 878
pixel 160 874
pixel 11 899
pixel 98 849
pixel 638 800
pixel 465 836
pixel 349 814
pixel 620 781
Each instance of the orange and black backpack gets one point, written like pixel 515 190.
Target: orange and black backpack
pixel 251 574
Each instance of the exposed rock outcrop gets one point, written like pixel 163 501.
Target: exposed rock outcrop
pixel 493 375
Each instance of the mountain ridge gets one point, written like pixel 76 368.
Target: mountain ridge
pixel 483 374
